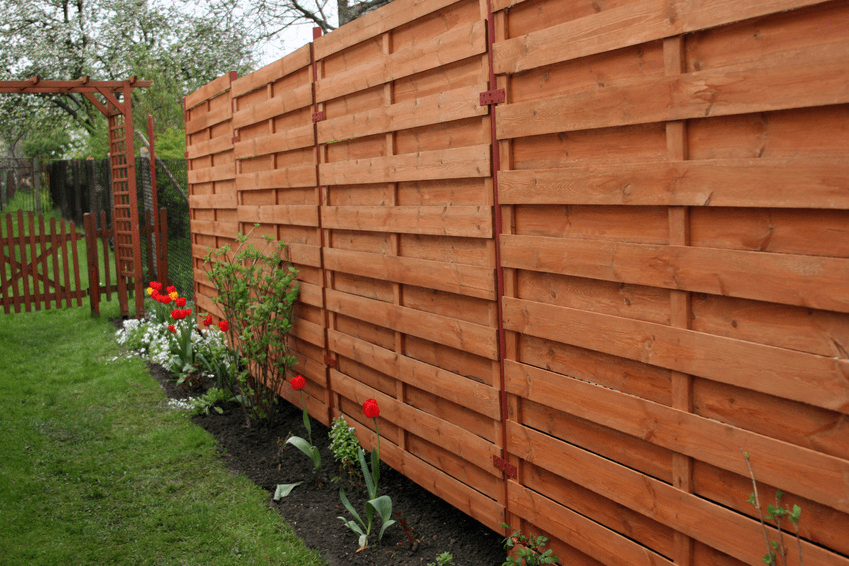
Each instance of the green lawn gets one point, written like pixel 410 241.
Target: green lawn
pixel 98 469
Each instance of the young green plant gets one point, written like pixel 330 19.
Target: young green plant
pixel 307 448
pixel 776 552
pixel 257 291
pixel 527 551
pixel 344 444
pixel 383 504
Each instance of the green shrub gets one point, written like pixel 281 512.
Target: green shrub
pixel 257 293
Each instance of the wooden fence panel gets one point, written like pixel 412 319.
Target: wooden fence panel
pixel 406 168
pixel 211 171
pixel 622 277
pixel 277 188
pixel 671 300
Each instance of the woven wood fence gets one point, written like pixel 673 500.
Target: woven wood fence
pixel 584 255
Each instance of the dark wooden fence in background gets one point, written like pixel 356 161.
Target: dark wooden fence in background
pixel 584 254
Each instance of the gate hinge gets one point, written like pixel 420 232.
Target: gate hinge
pixel 493 97
pixel 318 116
pixel 504 466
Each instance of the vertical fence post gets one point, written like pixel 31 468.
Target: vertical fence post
pixel 162 247
pixel 90 226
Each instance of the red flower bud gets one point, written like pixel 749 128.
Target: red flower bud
pixel 181 302
pixel 155 285
pixel 172 328
pixel 370 409
pixel 177 314
pixel 298 382
pixel 223 326
pixel 171 289
pixel 208 320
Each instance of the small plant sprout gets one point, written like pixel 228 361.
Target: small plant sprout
pixel 526 550
pixel 776 554
pixel 444 559
pixel 307 448
pixel 344 444
pixel 382 504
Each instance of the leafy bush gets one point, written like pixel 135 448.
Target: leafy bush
pixel 344 444
pixel 257 293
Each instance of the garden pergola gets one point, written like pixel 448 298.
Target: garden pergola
pixel 117 107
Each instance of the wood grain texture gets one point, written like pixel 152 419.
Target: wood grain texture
pixel 807 281
pixel 458 334
pixel 773 183
pixel 783 373
pixel 461 221
pixel 811 76
pixel 453 163
pixel 622 26
pixel 814 475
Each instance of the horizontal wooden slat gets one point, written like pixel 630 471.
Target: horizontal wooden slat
pixel 309 332
pixel 623 26
pixel 768 183
pixel 460 221
pixel 459 334
pixel 284 102
pixel 219 144
pixel 808 281
pixel 455 163
pixel 214 228
pixel 311 295
pixel 220 200
pixel 813 76
pixel 444 434
pixel 305 254
pixel 434 109
pixel 289 177
pixel 728 531
pixel 284 140
pixel 272 72
pixel 292 214
pixel 210 174
pixel 208 120
pixel 209 90
pixel 457 278
pixel 582 533
pixel 814 475
pixel 205 304
pixel 808 378
pixel 453 45
pixel 370 25
pixel 463 391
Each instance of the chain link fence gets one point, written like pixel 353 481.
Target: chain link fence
pixel 80 186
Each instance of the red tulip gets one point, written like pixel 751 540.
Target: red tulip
pixel 298 382
pixel 172 328
pixel 171 289
pixel 208 320
pixel 224 326
pixel 370 409
pixel 181 302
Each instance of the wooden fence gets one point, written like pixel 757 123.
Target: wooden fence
pixel 41 267
pixel 584 255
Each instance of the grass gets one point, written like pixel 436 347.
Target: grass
pixel 98 469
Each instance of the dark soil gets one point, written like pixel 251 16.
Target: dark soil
pixel 313 508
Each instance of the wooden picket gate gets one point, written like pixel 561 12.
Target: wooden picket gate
pixel 42 267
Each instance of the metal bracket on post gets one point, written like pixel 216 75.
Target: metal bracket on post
pixel 493 97
pixel 505 466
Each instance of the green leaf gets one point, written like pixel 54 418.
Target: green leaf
pixel 284 489
pixel 383 506
pixel 370 487
pixel 349 507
